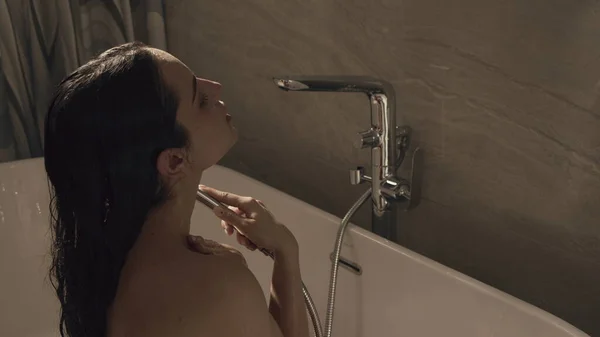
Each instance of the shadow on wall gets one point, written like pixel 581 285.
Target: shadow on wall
pixel 43 41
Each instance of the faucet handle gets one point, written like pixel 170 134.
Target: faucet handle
pixel 405 191
pixel 416 178
pixel 369 138
pixel 403 135
pixel 358 176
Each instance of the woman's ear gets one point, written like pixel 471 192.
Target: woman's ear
pixel 170 162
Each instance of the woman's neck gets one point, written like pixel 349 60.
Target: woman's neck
pixel 168 225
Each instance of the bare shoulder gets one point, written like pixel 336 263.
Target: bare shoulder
pixel 232 302
pixel 194 295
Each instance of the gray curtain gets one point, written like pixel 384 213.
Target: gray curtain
pixel 41 41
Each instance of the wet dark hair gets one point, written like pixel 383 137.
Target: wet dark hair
pixel 107 123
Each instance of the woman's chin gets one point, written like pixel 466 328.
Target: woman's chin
pixel 234 133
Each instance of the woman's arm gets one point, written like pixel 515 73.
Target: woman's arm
pixel 287 302
pixel 256 228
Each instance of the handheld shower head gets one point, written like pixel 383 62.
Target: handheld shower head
pixel 212 203
pixel 207 200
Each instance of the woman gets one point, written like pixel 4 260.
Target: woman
pixel 127 138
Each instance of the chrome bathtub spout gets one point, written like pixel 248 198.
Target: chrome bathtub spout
pixel 388 142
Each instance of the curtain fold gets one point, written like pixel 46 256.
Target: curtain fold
pixel 42 41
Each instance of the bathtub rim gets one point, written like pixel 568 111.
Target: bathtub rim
pixel 423 260
pixel 446 271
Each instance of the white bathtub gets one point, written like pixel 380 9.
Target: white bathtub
pixel 399 292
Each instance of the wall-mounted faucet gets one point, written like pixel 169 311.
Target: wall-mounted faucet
pixel 387 141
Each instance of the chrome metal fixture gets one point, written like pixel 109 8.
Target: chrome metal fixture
pixel 388 143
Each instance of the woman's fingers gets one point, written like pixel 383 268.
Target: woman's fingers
pixel 237 211
pixel 224 197
pixel 247 204
pixel 250 218
pixel 227 228
pixel 230 217
pixel 244 241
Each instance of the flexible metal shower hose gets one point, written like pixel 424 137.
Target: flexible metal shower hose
pixel 310 305
pixel 336 257
pixel 312 311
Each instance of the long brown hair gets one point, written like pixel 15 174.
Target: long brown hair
pixel 104 130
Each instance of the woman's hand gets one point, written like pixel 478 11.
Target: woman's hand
pixel 201 245
pixel 256 227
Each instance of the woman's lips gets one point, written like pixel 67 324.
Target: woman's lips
pixel 228 117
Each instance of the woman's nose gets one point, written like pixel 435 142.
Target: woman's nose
pixel 215 87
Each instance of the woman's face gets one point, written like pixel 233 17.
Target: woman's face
pixel 200 111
